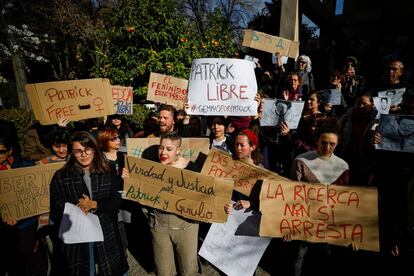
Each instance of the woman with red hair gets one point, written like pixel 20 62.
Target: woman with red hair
pixel 109 142
pixel 246 149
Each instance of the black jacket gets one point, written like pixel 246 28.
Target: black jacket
pixel 68 186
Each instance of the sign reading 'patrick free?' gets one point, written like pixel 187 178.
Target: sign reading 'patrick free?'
pixel 222 87
pixel 77 99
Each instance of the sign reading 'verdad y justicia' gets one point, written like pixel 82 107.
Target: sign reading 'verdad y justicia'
pixel 222 87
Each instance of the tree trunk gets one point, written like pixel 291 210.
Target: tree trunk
pixel 21 81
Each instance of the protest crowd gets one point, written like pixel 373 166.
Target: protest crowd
pixel 339 140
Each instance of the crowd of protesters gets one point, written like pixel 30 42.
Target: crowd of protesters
pixel 332 145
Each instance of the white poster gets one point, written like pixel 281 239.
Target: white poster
pixel 77 227
pixel 382 104
pixel 252 59
pixel 397 133
pixel 234 247
pixel 222 87
pixel 395 94
pixel 276 111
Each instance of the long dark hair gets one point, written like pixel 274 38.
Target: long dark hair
pixel 98 165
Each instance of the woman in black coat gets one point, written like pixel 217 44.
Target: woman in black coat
pixel 88 182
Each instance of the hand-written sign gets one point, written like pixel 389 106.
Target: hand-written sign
pixel 182 192
pixel 190 147
pixel 222 87
pixel 123 99
pixel 24 192
pixel 245 175
pixel 77 99
pixel 167 89
pixel 270 43
pixel 320 213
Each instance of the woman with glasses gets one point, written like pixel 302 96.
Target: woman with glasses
pixel 88 182
pixel 109 142
pixel 117 122
pixel 293 91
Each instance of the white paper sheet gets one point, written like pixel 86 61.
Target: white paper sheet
pixel 77 227
pixel 234 247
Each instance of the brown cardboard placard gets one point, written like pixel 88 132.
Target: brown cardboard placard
pixel 221 164
pixel 167 89
pixel 311 212
pixel 123 98
pixel 24 192
pixel 270 43
pixel 77 99
pixel 190 147
pixel 182 192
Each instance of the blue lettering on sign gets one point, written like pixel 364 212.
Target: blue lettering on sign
pixel 123 107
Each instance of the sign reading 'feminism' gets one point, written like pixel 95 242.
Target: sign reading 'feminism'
pixel 222 87
pixel 167 89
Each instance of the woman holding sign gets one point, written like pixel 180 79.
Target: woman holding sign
pixel 20 250
pixel 319 166
pixel 246 149
pixel 87 181
pixel 173 235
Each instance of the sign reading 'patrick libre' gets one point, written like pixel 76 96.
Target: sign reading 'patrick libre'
pixel 222 87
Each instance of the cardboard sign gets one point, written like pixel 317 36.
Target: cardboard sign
pixel 123 99
pixel 221 164
pixel 190 147
pixel 222 87
pixel 182 192
pixel 270 43
pixel 276 111
pixel 167 89
pixel 332 214
pixel 24 192
pixel 77 99
pixel 235 236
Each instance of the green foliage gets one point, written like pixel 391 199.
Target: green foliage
pixel 136 120
pixel 22 119
pixel 155 36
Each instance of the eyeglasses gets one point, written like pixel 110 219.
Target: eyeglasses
pixel 79 152
pixel 4 151
pixel 115 138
